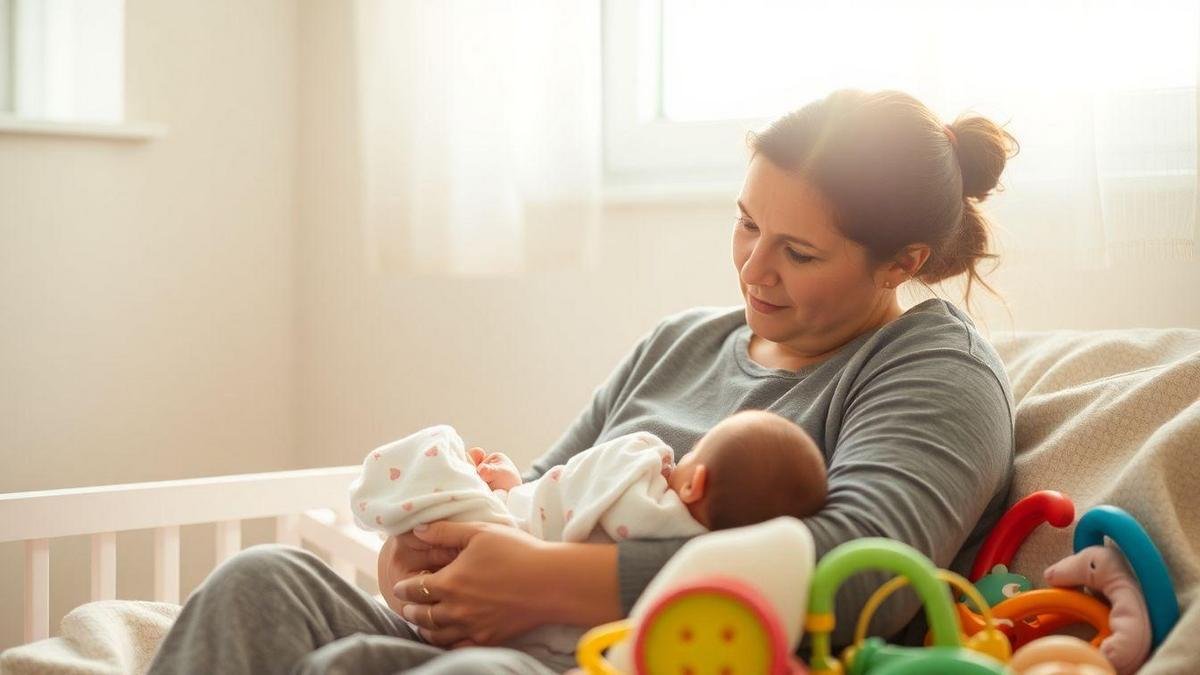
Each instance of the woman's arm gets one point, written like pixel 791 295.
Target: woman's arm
pixel 505 582
pixel 925 447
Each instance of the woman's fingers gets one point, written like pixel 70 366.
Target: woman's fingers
pixel 419 588
pixel 448 534
pixel 434 626
pixel 412 542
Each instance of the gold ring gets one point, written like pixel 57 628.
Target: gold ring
pixel 424 591
pixel 429 614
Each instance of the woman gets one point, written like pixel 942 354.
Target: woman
pixel 845 200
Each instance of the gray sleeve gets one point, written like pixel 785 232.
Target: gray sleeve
pixel 926 442
pixel 583 432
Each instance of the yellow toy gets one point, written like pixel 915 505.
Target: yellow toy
pixel 718 625
pixel 713 609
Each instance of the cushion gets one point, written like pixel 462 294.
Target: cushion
pixel 1113 417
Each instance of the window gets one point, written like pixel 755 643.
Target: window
pixel 62 59
pixel 686 79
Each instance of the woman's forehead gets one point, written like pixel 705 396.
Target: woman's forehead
pixel 787 204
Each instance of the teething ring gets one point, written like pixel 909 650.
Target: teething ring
pixel 1044 506
pixel 1053 608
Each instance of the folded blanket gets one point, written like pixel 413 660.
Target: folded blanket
pixel 1113 417
pixel 107 637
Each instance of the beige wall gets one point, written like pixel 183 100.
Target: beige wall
pixel 158 324
pixel 146 289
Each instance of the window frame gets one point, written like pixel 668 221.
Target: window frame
pixel 645 153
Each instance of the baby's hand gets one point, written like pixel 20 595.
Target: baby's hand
pixel 498 471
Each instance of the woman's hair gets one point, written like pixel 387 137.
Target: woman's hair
pixel 895 176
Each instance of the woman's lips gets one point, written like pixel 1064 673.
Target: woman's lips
pixel 764 307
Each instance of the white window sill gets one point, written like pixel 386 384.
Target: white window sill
pixel 122 131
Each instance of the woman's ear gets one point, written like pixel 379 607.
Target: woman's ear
pixel 693 490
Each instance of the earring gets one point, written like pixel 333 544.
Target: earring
pixel 887 284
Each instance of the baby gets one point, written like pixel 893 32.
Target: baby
pixel 751 467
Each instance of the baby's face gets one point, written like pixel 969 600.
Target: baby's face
pixel 678 477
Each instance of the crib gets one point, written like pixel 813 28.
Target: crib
pixel 310 509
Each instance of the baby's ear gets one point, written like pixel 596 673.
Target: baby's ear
pixel 693 490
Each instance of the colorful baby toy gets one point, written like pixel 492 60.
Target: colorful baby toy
pixel 714 609
pixel 946 654
pixel 698 620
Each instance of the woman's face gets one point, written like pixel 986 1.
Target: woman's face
pixel 788 253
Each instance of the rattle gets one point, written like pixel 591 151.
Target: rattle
pixel 946 653
pixel 1026 615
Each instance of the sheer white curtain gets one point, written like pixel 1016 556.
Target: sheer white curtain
pixel 1102 97
pixel 1101 94
pixel 480 134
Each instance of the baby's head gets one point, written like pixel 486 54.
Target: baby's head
pixel 753 466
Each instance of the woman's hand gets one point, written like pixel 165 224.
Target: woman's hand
pixel 505 582
pixel 494 590
pixel 407 556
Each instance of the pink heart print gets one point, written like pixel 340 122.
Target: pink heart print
pixel 542 512
pixel 393 473
pixel 623 532
pixel 568 514
pixel 407 506
pixel 362 506
pixel 556 473
pixel 378 520
pixel 375 455
pixel 431 452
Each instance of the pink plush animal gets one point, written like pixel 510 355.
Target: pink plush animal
pixel 1105 570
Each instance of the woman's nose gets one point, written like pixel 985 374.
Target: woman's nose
pixel 757 270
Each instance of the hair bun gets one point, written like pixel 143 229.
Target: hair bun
pixel 983 149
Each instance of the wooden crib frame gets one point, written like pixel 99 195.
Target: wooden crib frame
pixel 310 506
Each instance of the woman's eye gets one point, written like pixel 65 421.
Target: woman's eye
pixel 798 257
pixel 746 224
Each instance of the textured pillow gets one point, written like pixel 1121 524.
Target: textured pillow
pixel 1113 417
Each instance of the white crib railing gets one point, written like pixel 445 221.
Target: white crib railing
pixel 310 506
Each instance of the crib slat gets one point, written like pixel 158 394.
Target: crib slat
pixel 287 530
pixel 229 539
pixel 37 589
pixel 104 566
pixel 345 569
pixel 166 564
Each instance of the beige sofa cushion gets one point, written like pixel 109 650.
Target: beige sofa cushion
pixel 1113 417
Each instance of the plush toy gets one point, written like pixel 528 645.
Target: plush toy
pixel 1104 570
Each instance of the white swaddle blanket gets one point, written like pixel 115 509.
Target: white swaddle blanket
pixel 615 490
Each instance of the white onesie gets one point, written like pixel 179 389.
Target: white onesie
pixel 615 490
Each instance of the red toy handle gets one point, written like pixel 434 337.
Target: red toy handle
pixel 1044 506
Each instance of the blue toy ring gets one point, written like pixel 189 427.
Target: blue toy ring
pixel 1143 556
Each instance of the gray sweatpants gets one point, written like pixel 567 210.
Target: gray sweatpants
pixel 280 609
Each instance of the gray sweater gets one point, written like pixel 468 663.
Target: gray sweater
pixel 914 420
